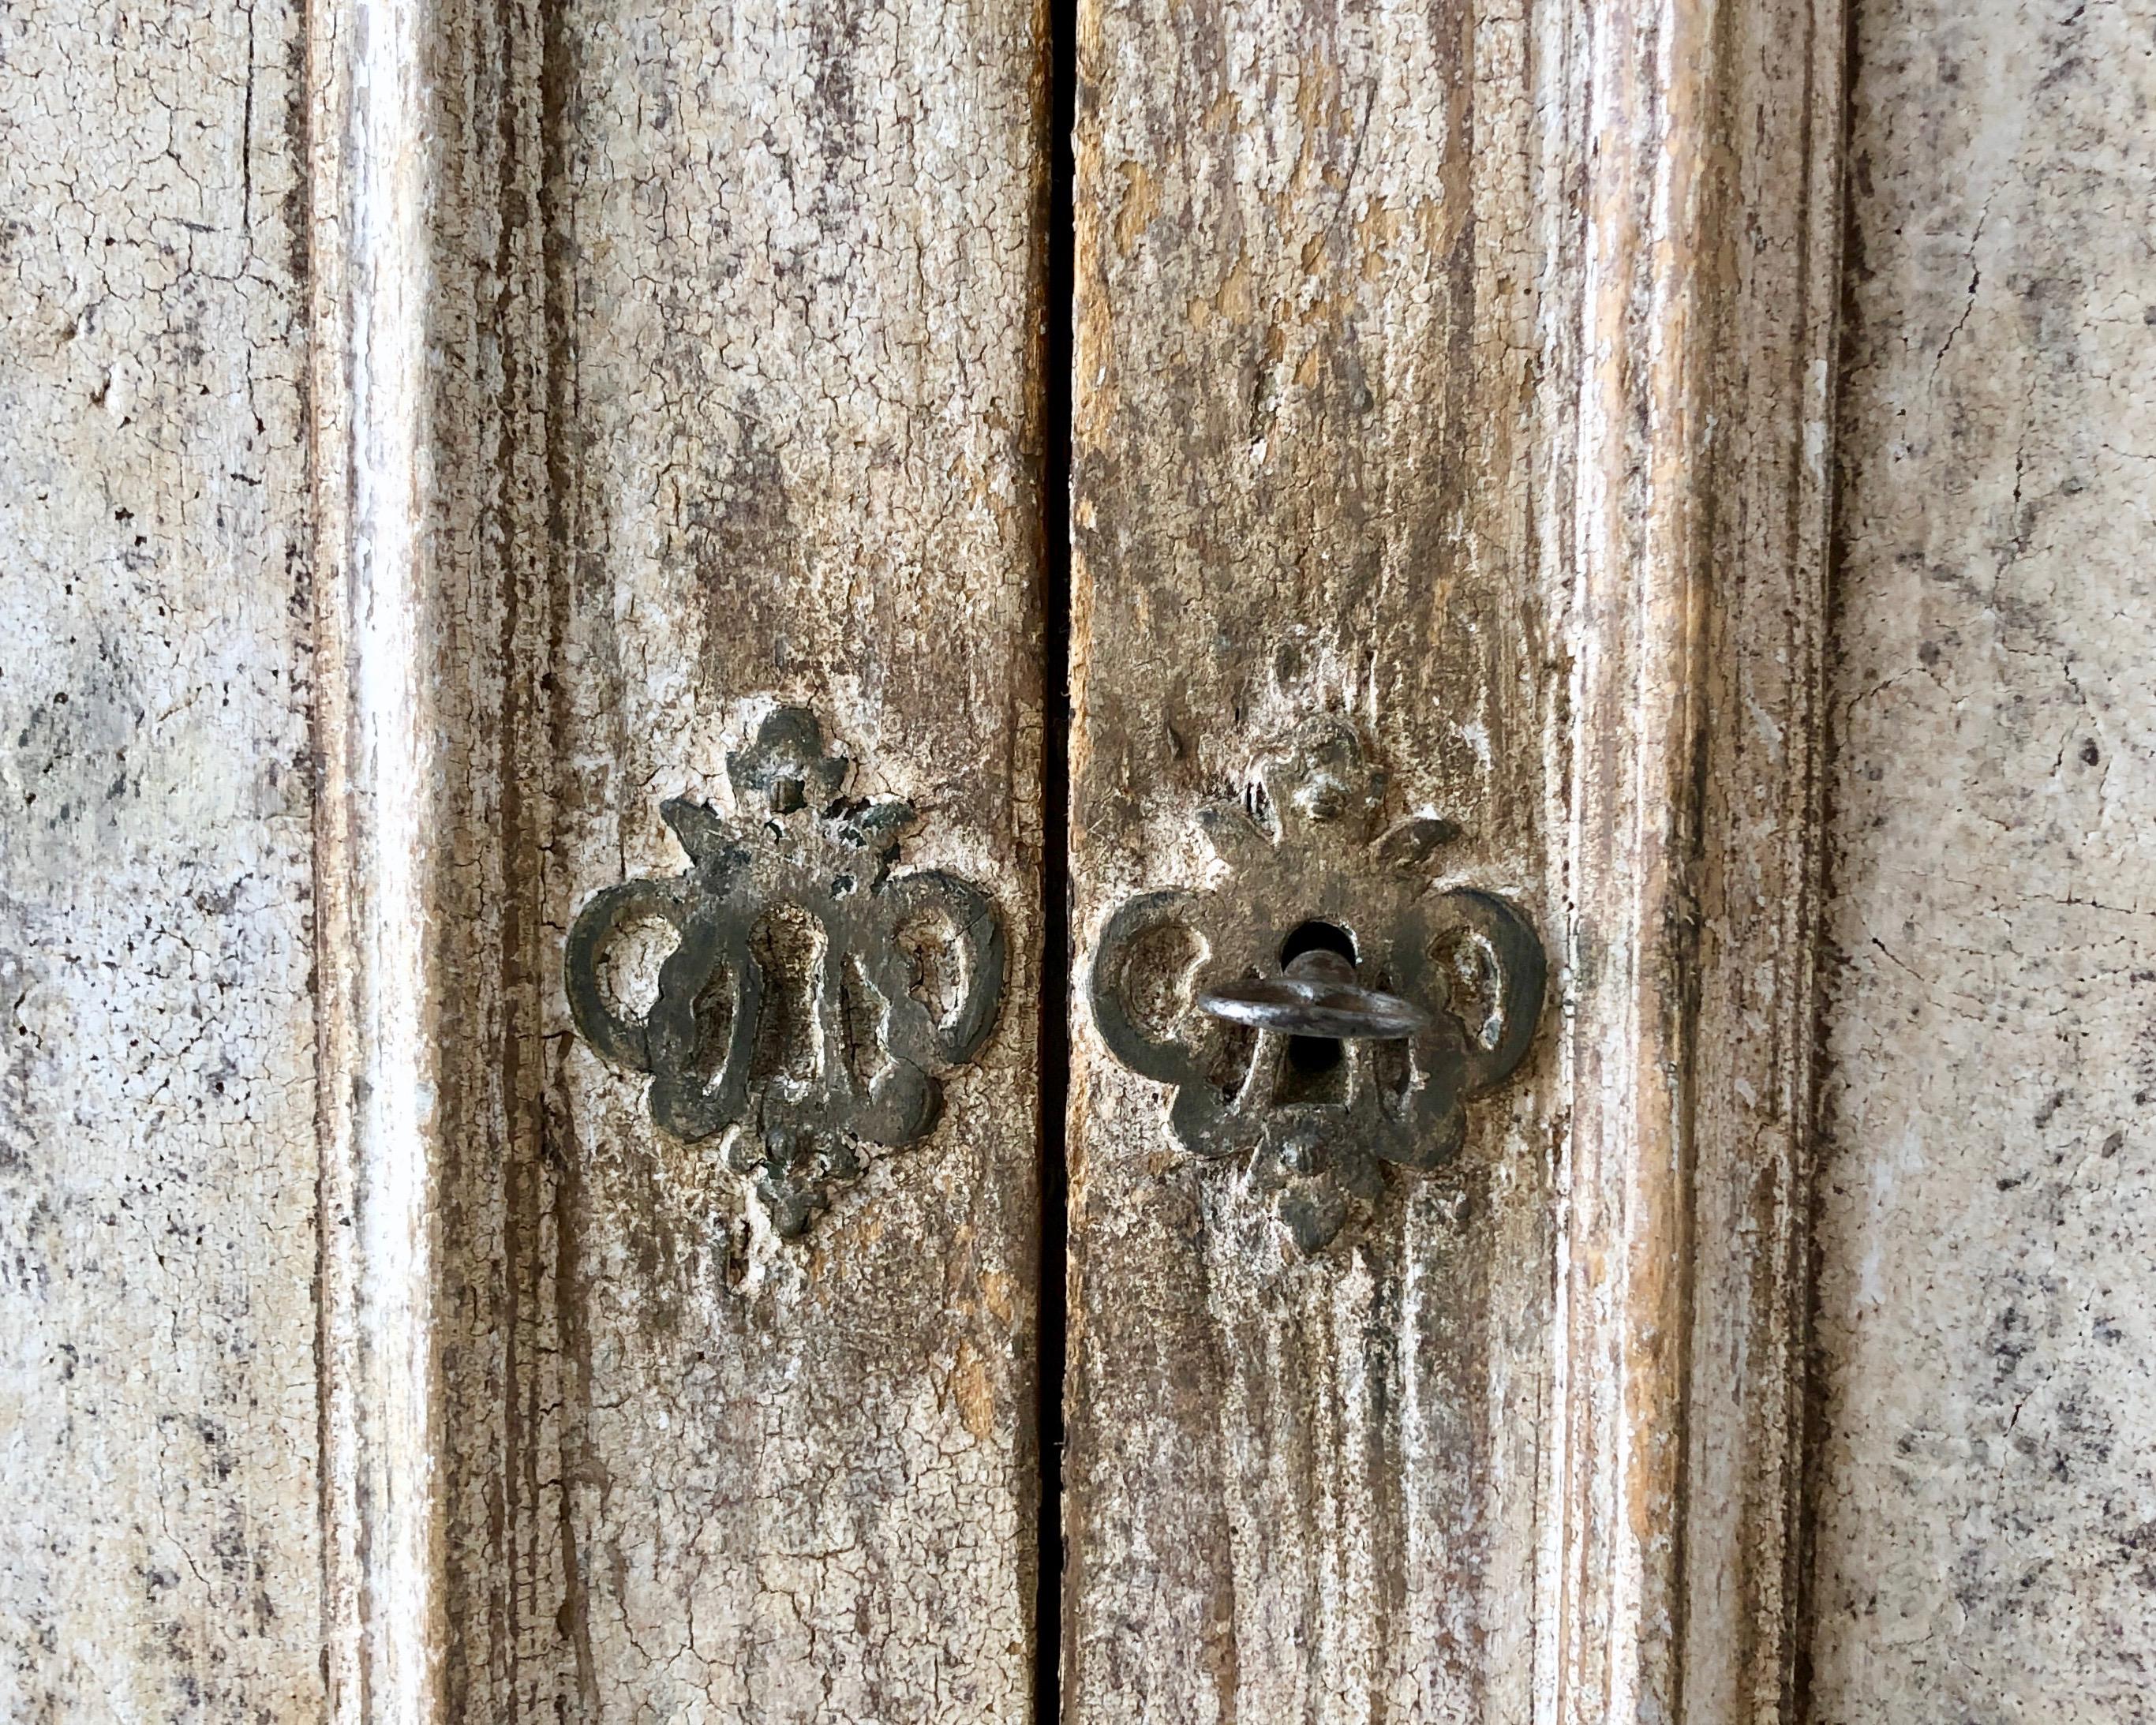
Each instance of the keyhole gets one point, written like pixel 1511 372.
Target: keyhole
pixel 1313 1056
pixel 788 944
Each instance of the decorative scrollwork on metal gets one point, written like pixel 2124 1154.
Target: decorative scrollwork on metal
pixel 1420 999
pixel 805 1054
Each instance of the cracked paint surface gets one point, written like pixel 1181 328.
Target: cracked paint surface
pixel 1986 1496
pixel 158 1548
pixel 794 318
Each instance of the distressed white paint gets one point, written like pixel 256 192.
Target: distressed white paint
pixel 377 176
pixel 159 1500
pixel 1986 1492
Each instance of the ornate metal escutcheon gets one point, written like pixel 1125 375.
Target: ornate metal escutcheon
pixel 835 1041
pixel 1321 1009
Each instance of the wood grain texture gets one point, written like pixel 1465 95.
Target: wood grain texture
pixel 1986 1508
pixel 778 440
pixel 1771 285
pixel 673 362
pixel 1459 374
pixel 1463 374
pixel 158 1489
pixel 1307 250
pixel 1709 278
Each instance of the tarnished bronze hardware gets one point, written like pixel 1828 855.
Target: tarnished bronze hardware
pixel 798 1070
pixel 1321 1010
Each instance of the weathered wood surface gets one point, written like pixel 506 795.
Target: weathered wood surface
pixel 746 303
pixel 1986 1508
pixel 661 365
pixel 1761 265
pixel 390 374
pixel 1464 376
pixel 158 1490
pixel 1710 279
pixel 1305 256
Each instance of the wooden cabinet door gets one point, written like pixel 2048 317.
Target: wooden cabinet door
pixel 741 414
pixel 695 697
pixel 1450 390
pixel 437 436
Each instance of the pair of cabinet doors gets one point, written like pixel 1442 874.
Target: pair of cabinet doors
pixel 658 651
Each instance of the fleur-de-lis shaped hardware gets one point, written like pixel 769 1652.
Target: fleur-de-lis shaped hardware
pixel 1338 1012
pixel 855 1061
